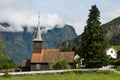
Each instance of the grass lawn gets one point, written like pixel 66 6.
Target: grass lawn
pixel 67 76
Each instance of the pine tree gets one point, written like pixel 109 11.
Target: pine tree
pixel 93 42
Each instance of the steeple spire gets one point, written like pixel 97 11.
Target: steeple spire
pixel 38 35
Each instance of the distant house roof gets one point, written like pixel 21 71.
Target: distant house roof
pixel 52 55
pixel 109 49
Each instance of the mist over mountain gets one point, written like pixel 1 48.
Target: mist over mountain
pixel 18 44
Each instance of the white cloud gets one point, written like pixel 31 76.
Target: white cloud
pixel 51 20
pixel 17 19
pixel 25 12
pixel 6 1
pixel 8 29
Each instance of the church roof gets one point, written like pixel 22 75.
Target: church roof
pixel 69 56
pixel 52 55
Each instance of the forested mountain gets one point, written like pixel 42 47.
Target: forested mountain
pixel 18 45
pixel 2 49
pixel 5 62
pixel 112 31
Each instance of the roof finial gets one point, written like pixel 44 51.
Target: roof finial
pixel 38 35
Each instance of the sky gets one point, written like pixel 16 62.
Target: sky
pixel 73 12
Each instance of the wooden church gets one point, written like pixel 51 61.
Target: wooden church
pixel 42 57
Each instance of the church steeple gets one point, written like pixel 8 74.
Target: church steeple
pixel 38 34
pixel 37 42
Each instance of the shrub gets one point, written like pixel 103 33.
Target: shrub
pixel 117 62
pixel 7 64
pixel 62 64
pixel 112 61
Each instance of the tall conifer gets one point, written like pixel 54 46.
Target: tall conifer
pixel 93 42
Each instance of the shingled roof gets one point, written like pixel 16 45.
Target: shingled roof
pixel 69 56
pixel 52 55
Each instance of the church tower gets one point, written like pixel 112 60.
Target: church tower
pixel 38 42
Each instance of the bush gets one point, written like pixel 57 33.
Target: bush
pixel 7 64
pixel 62 64
pixel 117 62
pixel 112 61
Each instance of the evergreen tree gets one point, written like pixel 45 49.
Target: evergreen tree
pixel 93 42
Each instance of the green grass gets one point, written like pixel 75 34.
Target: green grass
pixel 67 76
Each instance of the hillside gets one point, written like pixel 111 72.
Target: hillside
pixel 112 32
pixel 5 63
pixel 70 43
pixel 2 49
pixel 18 45
pixel 57 35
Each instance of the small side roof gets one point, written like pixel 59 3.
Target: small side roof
pixel 26 63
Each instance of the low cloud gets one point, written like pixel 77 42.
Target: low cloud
pixel 17 19
pixel 24 12
pixel 51 20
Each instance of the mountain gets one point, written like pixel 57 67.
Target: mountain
pixel 18 45
pixel 112 32
pixel 70 43
pixel 2 49
pixel 5 62
pixel 58 35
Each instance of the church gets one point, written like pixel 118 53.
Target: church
pixel 41 58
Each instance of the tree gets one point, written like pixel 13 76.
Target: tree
pixel 93 42
pixel 62 64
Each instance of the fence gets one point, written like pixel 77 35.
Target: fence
pixel 52 71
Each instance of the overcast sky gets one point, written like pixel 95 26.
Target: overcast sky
pixel 73 12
